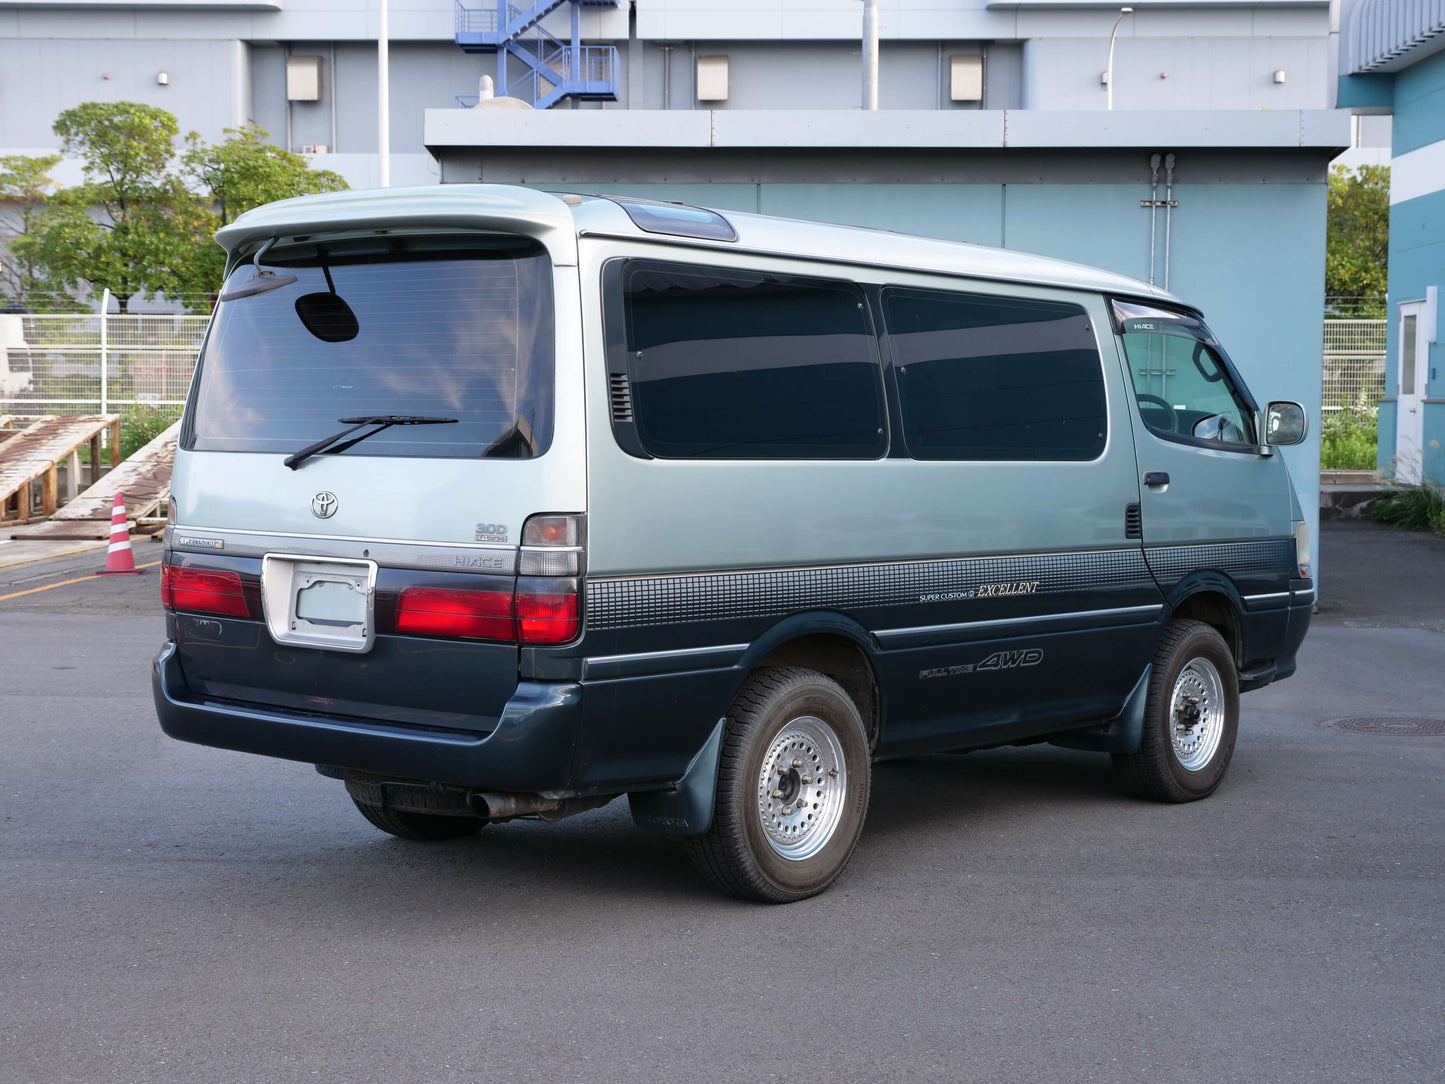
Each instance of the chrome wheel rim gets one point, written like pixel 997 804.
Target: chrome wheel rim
pixel 801 788
pixel 1196 714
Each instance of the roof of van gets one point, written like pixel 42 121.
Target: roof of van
pixel 490 205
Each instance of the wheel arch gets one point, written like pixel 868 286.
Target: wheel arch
pixel 832 644
pixel 1211 597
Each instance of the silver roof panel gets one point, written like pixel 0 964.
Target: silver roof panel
pixel 557 225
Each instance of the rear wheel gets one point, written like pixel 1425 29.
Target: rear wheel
pixel 792 791
pixel 1191 717
pixel 429 814
pixel 422 827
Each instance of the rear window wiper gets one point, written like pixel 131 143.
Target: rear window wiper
pixel 381 421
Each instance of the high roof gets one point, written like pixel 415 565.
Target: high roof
pixel 857 245
pixel 557 224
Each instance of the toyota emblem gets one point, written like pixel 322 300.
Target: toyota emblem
pixel 323 505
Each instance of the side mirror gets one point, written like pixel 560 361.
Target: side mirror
pixel 1284 423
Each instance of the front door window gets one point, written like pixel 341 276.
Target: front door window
pixel 1184 386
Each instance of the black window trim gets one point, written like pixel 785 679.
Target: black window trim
pixel 619 360
pixel 1236 384
pixel 894 363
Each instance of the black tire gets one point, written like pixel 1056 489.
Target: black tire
pixel 1156 770
pixel 735 853
pixel 420 827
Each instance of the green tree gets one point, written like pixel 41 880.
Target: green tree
pixel 25 187
pixel 245 171
pixel 133 227
pixel 1358 236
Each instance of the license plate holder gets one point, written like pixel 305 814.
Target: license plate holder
pixel 321 602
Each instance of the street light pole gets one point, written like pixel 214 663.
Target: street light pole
pixel 383 101
pixel 1109 71
pixel 870 54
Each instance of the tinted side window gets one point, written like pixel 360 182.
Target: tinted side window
pixel 729 365
pixel 996 377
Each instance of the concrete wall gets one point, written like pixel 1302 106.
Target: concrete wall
pixel 225 66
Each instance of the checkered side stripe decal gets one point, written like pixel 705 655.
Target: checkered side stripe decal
pixel 1274 557
pixel 676 600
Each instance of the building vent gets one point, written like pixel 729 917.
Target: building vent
pixel 1133 522
pixel 621 397
pixel 965 83
pixel 303 78
pixel 712 78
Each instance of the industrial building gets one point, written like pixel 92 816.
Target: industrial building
pixel 1181 141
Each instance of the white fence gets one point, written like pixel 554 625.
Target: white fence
pixel 1354 364
pixel 87 363
pixel 93 364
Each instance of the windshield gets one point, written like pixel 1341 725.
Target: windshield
pixel 390 327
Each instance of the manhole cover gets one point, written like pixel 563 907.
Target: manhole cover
pixel 1410 726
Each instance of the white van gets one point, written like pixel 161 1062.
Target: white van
pixel 494 503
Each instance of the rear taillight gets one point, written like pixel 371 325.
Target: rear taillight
pixel 203 590
pixel 548 611
pixel 549 600
pixel 446 611
pixel 543 606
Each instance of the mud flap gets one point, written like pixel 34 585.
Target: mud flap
pixel 686 809
pixel 1123 733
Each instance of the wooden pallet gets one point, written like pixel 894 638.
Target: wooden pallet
pixel 34 456
pixel 144 478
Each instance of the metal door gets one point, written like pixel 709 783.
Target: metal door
pixel 1409 408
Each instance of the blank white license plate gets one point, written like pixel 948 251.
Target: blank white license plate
pixel 319 602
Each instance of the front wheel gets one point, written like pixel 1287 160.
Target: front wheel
pixel 793 782
pixel 1191 717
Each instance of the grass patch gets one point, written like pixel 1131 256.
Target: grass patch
pixel 1416 508
pixel 1349 439
pixel 139 425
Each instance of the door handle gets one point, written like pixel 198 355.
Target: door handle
pixel 1156 478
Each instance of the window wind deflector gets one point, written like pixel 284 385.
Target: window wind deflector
pixel 676 219
pixel 381 421
pixel 261 281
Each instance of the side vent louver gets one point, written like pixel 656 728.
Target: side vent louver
pixel 621 393
pixel 1133 522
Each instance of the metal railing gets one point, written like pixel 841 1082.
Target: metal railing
pixel 89 363
pixel 476 20
pixel 1354 363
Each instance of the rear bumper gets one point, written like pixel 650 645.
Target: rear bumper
pixel 530 749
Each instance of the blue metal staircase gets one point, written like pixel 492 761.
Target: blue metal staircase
pixel 555 69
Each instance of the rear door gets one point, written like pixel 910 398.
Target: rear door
pixel 456 332
pixel 1212 503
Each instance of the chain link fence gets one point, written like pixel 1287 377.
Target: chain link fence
pixel 94 364
pixel 1354 364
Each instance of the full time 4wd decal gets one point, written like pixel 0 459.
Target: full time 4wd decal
pixel 999 660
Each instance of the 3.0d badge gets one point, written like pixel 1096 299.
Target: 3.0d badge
pixel 323 505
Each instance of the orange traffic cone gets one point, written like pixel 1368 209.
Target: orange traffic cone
pixel 119 560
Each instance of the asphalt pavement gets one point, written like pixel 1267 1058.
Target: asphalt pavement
pixel 175 913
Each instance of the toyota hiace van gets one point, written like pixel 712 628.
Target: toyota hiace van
pixel 493 503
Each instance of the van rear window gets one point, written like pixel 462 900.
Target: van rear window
pixel 392 327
